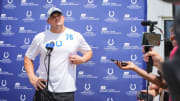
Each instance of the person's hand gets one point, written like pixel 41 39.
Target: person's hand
pixel 157 59
pixel 37 82
pixel 76 59
pixel 129 66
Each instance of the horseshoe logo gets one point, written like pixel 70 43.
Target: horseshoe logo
pixel 23 97
pixel 87 86
pixel 49 1
pixel 110 42
pixel 133 29
pixel 109 99
pixel 8 28
pixel 89 28
pixel 23 69
pixel 68 13
pixel 26 41
pixel 90 1
pixel 110 71
pixel 3 83
pixel 133 86
pixel 133 57
pixel 28 13
pixel 6 55
pixel 111 13
pixel 134 2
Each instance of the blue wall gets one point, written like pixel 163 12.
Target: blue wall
pixel 111 27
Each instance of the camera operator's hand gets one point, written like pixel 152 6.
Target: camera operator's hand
pixel 157 59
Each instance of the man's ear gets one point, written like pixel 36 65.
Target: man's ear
pixel 48 21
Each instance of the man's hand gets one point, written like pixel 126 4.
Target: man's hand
pixel 76 59
pixel 37 82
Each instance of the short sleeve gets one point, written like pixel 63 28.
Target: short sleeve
pixel 83 46
pixel 34 49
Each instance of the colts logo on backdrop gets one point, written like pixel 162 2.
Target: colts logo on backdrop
pixel 133 28
pixel 10 1
pixel 89 28
pixel 110 71
pixel 87 86
pixel 90 1
pixel 22 97
pixel 28 13
pixel 133 86
pixel 111 13
pixel 6 55
pixel 68 13
pixel 47 27
pixel 8 28
pixel 49 1
pixel 110 42
pixel 133 2
pixel 26 41
pixel 109 99
pixel 133 57
pixel 3 83
pixel 23 69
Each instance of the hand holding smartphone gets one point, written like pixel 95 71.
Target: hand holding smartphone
pixel 122 63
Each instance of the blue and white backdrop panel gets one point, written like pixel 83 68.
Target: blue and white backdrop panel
pixel 111 27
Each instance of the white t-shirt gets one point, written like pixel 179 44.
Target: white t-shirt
pixel 62 73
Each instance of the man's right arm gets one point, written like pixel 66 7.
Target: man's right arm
pixel 29 67
pixel 34 80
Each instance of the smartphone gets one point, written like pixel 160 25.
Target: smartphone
pixel 122 63
pixel 143 96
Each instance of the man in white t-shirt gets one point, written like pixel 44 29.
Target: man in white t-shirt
pixel 63 60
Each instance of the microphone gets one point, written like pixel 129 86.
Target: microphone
pixel 49 47
pixel 148 23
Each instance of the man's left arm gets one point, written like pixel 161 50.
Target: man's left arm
pixel 76 59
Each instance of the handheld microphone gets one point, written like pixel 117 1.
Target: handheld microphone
pixel 49 47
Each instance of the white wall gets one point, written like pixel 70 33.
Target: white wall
pixel 159 11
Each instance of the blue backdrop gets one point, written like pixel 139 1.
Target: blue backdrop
pixel 111 27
